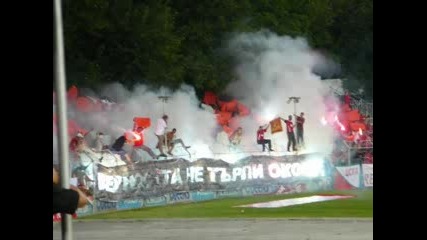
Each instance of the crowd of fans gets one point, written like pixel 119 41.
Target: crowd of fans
pixel 353 146
pixel 127 147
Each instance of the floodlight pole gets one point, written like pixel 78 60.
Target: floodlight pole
pixel 164 100
pixel 295 100
pixel 66 220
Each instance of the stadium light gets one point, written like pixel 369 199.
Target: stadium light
pixel 295 100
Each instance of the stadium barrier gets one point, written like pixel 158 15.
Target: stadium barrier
pixel 115 186
pixel 355 176
pixel 166 182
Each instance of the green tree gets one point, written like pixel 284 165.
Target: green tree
pixel 204 27
pixel 353 37
pixel 167 43
pixel 121 40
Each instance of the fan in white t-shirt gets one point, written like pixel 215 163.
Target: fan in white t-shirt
pixel 160 133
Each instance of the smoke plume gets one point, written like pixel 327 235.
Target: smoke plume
pixel 269 70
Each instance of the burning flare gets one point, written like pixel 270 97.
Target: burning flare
pixel 323 120
pixel 131 135
pixel 339 123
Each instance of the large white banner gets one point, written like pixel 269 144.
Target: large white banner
pixel 368 174
pixel 351 174
pixel 109 183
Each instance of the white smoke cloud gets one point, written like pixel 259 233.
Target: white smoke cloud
pixel 194 125
pixel 270 69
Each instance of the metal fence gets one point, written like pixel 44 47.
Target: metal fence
pixel 115 185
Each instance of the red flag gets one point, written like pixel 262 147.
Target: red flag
pixel 276 125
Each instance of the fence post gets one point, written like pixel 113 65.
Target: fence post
pixel 349 157
pixel 61 104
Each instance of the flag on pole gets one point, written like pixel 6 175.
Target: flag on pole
pixel 276 125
